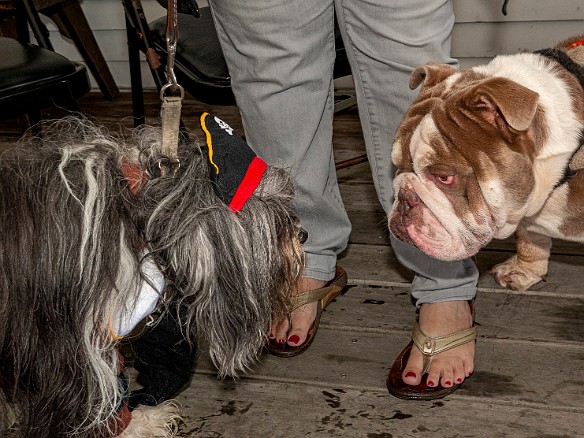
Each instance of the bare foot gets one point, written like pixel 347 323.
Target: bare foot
pixel 450 367
pixel 302 318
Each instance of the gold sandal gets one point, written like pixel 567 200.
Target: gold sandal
pixel 429 346
pixel 324 295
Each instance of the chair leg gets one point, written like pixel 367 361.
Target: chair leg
pixel 135 76
pixel 38 28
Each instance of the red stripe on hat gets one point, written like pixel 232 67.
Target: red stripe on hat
pixel 250 181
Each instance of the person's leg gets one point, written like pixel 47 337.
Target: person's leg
pixel 385 41
pixel 280 57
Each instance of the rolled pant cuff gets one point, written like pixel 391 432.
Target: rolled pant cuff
pixel 319 267
pixel 462 294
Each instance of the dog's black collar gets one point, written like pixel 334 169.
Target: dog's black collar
pixel 569 171
pixel 562 58
pixel 578 71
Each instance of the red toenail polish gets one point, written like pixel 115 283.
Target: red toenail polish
pixel 294 339
pixel 271 335
pixel 430 383
pixel 448 382
pixel 411 374
pixel 281 341
pixel 459 380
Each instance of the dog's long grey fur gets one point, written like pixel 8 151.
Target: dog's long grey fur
pixel 73 236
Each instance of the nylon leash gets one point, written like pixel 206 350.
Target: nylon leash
pixel 171 95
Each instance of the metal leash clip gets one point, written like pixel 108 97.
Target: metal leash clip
pixel 171 102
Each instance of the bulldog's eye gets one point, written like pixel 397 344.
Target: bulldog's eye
pixel 445 179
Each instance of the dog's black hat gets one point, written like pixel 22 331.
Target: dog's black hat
pixel 235 169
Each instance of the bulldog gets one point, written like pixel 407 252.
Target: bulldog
pixel 493 150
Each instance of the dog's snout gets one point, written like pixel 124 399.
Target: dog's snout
pixel 407 197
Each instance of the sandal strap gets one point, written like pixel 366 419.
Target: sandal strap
pixel 433 345
pixel 311 296
pixel 326 293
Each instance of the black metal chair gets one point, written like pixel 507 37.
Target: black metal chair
pixel 33 77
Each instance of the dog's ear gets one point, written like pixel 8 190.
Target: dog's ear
pixel 501 98
pixel 430 75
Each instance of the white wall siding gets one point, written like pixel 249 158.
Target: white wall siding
pixel 481 30
pixel 106 18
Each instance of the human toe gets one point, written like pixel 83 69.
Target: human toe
pixel 447 379
pixel 279 331
pixel 433 377
pixel 459 374
pixel 302 321
pixel 411 377
pixel 412 373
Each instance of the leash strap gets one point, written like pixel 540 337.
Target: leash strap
pixel 170 119
pixel 171 103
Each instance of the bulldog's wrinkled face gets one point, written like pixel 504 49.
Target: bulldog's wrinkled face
pixel 464 155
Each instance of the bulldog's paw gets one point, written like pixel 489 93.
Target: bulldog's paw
pixel 518 275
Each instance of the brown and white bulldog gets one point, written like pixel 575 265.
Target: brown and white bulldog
pixel 492 150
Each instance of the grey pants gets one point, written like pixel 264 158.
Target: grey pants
pixel 280 55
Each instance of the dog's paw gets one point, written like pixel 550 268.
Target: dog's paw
pixel 517 275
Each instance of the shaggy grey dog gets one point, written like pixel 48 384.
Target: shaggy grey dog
pixel 87 225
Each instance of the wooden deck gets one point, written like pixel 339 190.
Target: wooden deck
pixel 529 378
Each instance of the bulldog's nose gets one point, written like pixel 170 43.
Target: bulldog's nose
pixel 408 197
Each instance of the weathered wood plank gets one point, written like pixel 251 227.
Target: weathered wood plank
pixel 499 315
pixel 505 371
pixel 279 409
pixel 356 174
pixel 377 264
pixel 347 132
pixel 369 228
pixel 360 197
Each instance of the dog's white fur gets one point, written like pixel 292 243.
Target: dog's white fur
pixel 160 421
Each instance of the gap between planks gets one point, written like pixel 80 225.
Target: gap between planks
pixel 385 283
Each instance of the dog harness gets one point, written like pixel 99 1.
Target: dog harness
pixel 150 292
pixel 562 57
